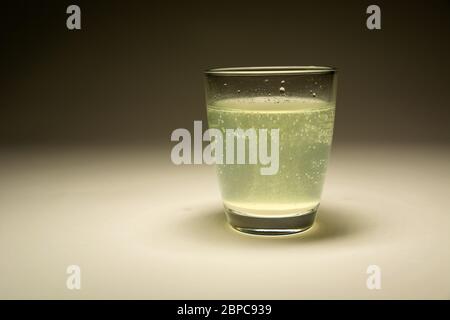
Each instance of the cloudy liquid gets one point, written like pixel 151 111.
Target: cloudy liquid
pixel 305 134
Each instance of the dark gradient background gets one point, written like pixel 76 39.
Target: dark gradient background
pixel 85 170
pixel 134 72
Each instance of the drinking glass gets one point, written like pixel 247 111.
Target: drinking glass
pixel 299 102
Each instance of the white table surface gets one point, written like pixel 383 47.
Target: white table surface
pixel 140 227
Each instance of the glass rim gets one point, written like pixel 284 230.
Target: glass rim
pixel 270 70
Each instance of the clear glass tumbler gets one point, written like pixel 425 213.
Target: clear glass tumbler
pixel 299 102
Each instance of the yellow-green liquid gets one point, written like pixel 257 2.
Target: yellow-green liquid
pixel 306 130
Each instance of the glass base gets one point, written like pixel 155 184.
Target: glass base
pixel 271 225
